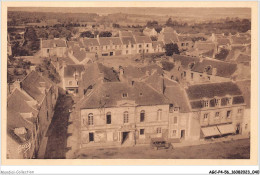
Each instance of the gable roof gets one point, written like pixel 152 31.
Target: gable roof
pixel 108 94
pixel 128 40
pixel 245 87
pixel 223 41
pixel 204 45
pixel 241 40
pixel 78 53
pixel 126 34
pixel 223 69
pixel 69 70
pixel 88 42
pixel 109 40
pixel 142 39
pixel 200 91
pixel 57 42
pixel 243 58
pixel 32 84
pixel 177 95
pixel 169 38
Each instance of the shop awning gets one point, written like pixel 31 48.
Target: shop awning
pixel 226 129
pixel 210 131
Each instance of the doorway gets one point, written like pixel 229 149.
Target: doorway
pixel 182 134
pixel 238 128
pixel 125 136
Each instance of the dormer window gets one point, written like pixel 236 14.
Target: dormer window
pixel 217 102
pixel 205 103
pixel 124 95
pixel 229 101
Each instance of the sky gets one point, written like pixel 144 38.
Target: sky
pixel 200 12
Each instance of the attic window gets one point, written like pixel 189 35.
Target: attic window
pixel 124 95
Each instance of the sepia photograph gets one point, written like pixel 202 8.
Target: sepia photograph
pixel 132 82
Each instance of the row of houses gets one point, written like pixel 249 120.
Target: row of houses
pixel 125 44
pixel 30 108
pixel 131 107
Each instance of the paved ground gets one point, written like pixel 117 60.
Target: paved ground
pixel 57 134
pixel 233 149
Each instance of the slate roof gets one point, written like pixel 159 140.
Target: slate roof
pixel 243 58
pixel 167 30
pixel 88 42
pixel 79 53
pixel 31 85
pixel 240 40
pixel 176 94
pixel 170 38
pixel 133 72
pixel 126 34
pixel 108 94
pixel 127 40
pixel 109 40
pixel 95 72
pixel 204 45
pixel 69 70
pixel 245 87
pixel 223 41
pixel 224 69
pixel 185 60
pixel 200 91
pixel 54 43
pixel 143 39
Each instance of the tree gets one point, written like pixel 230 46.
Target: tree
pixel 170 49
pixel 154 38
pixel 152 24
pixel 105 34
pixel 87 34
pixel 30 34
pixel 169 22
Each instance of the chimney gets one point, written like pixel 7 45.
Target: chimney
pixel 17 84
pixel 32 68
pixel 214 71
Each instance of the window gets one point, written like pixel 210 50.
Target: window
pixel 228 114
pixel 206 116
pixel 217 114
pixel 125 117
pixel 126 46
pixel 175 120
pixel 208 78
pixel 127 52
pixel 159 114
pixel 109 118
pixel 91 137
pixel 141 94
pixel 191 75
pixel 239 111
pixel 90 119
pixel 246 125
pixel 48 50
pixel 182 44
pixel 187 44
pixel 140 51
pixel 147 50
pixel 179 68
pixel 70 82
pixel 171 108
pixel 124 95
pixel 184 74
pixel 141 131
pixel 217 102
pixel 205 103
pixel 140 46
pixel 172 77
pixel 200 75
pixel 147 45
pixel 174 133
pixel 176 108
pixel 142 115
pixel 159 130
pixel 229 101
pixel 132 46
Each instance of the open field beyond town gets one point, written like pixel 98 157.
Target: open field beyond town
pixel 237 149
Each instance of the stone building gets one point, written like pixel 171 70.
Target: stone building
pixel 53 47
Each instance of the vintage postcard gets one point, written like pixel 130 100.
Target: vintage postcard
pixel 129 83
